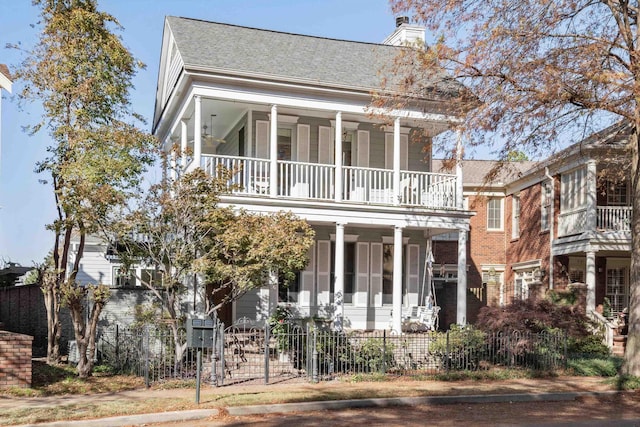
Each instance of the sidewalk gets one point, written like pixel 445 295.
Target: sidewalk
pixel 318 397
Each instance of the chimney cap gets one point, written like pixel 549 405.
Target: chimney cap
pixel 401 20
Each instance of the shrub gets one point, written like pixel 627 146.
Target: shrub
pixel 459 348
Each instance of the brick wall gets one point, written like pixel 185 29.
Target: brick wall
pixel 15 360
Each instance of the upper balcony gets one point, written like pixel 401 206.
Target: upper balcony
pixel 318 182
pixel 608 219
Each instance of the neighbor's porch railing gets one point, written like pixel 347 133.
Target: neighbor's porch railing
pixel 608 218
pixel 317 182
pixel 614 218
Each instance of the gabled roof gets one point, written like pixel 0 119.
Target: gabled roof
pixel 288 57
pixel 475 172
pixel 5 78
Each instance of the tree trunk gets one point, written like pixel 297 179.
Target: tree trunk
pixel 632 352
pixel 52 306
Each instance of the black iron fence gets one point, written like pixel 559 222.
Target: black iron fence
pixel 245 352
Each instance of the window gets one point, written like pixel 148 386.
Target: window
pixel 494 214
pixel 617 289
pixel 545 208
pixel 288 292
pixel 284 143
pixel 521 284
pixel 387 273
pixel 349 270
pixel 574 189
pixel 617 194
pixel 151 278
pixel 123 279
pixel 515 220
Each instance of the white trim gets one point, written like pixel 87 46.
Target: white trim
pixel 403 129
pixel 526 265
pixel 345 125
pixel 348 238
pixel 282 118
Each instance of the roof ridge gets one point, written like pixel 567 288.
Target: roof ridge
pixel 284 32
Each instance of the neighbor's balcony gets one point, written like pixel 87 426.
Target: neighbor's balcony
pixel 314 181
pixel 608 219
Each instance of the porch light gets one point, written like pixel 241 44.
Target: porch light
pixel 538 274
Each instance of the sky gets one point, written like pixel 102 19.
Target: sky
pixel 26 205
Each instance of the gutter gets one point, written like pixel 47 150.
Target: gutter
pixel 551 224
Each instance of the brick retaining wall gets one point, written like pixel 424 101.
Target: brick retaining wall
pixel 15 360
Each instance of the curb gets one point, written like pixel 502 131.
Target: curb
pixel 128 420
pixel 408 401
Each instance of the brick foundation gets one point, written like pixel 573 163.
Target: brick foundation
pixel 15 360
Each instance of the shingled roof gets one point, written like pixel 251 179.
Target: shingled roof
pixel 233 49
pixel 474 172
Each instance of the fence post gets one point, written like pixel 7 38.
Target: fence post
pixel 118 347
pixel 267 338
pixel 384 351
pixel 314 360
pixel 446 356
pixel 566 358
pixel 214 352
pixel 221 351
pixel 146 359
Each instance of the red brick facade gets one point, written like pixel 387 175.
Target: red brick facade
pixel 15 360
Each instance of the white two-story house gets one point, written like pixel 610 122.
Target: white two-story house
pixel 292 114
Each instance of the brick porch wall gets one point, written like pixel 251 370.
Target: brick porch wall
pixel 15 360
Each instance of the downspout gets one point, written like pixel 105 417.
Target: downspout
pixel 551 224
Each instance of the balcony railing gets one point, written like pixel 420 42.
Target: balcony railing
pixel 608 218
pixel 317 182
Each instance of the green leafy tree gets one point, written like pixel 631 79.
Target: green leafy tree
pixel 179 230
pixel 81 73
pixel 536 71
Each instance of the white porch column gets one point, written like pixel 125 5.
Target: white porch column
pixel 273 292
pixel 338 291
pixel 427 297
pixel 592 191
pixel 591 281
pixel 338 157
pixel 273 152
pixel 397 280
pixel 183 145
pixel 396 161
pixel 459 188
pixel 197 133
pixel 461 311
pixel 173 174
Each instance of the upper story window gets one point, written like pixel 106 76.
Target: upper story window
pixel 545 207
pixel 617 193
pixel 574 189
pixel 494 214
pixel 515 220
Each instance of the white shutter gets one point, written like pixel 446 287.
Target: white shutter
pixel 324 273
pixel 307 278
pixel 302 147
pixel 376 275
pixel 262 139
pixel 388 151
pixel 413 274
pixel 363 149
pixel 325 145
pixel 362 274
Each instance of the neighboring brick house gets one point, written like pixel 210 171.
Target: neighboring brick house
pixel 540 226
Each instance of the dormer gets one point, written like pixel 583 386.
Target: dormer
pixel 405 33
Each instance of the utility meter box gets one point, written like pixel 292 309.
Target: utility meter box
pixel 200 333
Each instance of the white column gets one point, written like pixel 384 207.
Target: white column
pixel 459 188
pixel 197 133
pixel 338 290
pixel 427 297
pixel 338 157
pixel 396 161
pixel 397 279
pixel 461 310
pixel 173 174
pixel 591 281
pixel 592 191
pixel 183 144
pixel 273 292
pixel 273 152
